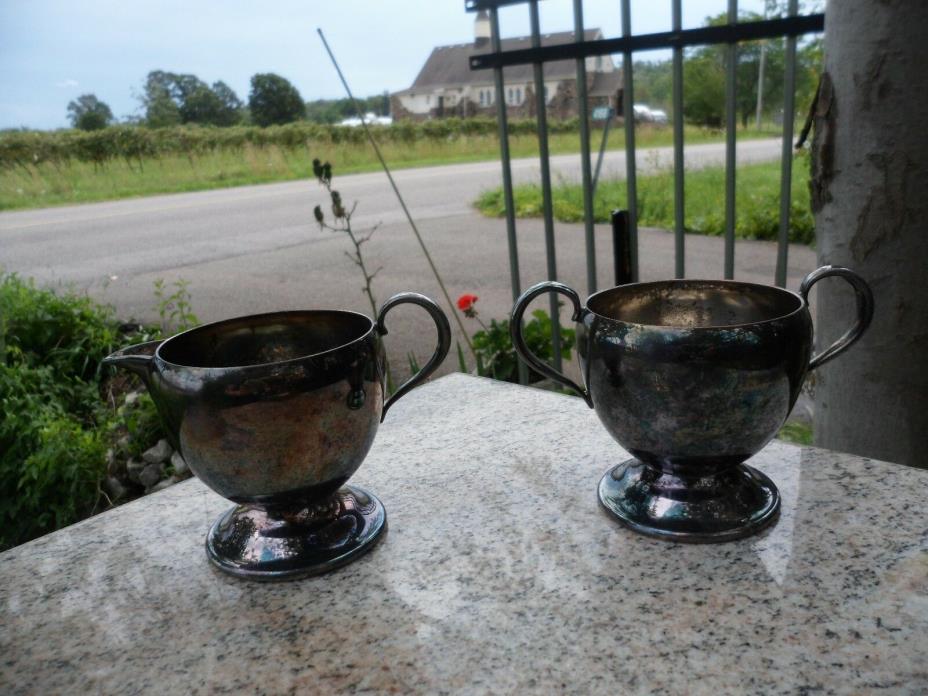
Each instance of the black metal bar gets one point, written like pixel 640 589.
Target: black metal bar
pixel 731 66
pixel 621 248
pixel 477 5
pixel 702 36
pixel 679 198
pixel 546 196
pixel 786 172
pixel 583 111
pixel 502 122
pixel 631 162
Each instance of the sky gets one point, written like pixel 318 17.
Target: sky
pixel 52 51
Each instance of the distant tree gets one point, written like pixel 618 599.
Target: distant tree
pixel 653 82
pixel 172 98
pixel 230 111
pixel 89 113
pixel 274 100
pixel 704 75
pixel 704 89
pixel 161 109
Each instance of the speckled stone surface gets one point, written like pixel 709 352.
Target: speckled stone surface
pixel 500 574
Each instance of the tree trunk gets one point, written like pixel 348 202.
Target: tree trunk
pixel 870 198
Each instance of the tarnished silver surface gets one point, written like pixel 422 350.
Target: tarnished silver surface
pixel 276 412
pixel 693 377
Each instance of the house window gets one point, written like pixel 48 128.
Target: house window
pixel 510 95
pixel 599 62
pixel 482 98
pixel 428 99
pixel 518 94
pixel 546 92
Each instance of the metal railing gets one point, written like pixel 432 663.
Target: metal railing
pixel 626 257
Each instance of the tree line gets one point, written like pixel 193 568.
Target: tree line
pixel 759 77
pixel 174 99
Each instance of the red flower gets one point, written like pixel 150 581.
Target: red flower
pixel 466 302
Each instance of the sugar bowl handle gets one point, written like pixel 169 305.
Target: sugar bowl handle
pixel 444 340
pixel 518 339
pixel 864 299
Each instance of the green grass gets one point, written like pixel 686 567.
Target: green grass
pixel 757 201
pixel 48 184
pixel 798 433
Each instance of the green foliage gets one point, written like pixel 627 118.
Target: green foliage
pixel 274 101
pixel 704 76
pixel 757 203
pixel 59 407
pixel 496 357
pixel 89 113
pixel 22 149
pixel 799 433
pixel 51 447
pixel 175 310
pixel 68 334
pixel 170 99
pixel 42 169
pixel 704 90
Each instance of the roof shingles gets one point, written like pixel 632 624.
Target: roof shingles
pixel 449 66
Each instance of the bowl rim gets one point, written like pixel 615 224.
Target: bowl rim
pixel 266 315
pixel 802 304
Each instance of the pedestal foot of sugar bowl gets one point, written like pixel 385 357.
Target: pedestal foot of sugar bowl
pixel 725 505
pixel 310 539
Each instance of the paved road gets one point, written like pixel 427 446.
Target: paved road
pixel 257 248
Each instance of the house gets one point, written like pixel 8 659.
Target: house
pixel 446 86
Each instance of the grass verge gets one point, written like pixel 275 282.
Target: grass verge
pixel 757 201
pixel 48 184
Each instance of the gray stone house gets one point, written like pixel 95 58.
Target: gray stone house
pixel 446 86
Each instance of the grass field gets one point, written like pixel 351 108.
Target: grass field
pixel 757 201
pixel 51 184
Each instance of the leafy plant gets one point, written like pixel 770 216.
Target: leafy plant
pixel 496 356
pixel 174 309
pixel 61 410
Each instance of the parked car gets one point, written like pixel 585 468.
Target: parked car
pixel 370 117
pixel 645 114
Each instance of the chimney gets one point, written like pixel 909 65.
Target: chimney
pixel 482 29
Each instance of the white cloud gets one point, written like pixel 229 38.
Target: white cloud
pixel 70 82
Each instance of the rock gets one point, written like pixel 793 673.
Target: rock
pixel 180 466
pixel 159 453
pixel 122 444
pixel 134 467
pixel 150 475
pixel 161 485
pixel 114 489
pixel 131 398
pixel 114 465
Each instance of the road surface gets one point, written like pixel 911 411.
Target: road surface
pixel 257 248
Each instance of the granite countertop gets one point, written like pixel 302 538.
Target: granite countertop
pixel 500 574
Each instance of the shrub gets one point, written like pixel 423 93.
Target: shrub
pixel 57 425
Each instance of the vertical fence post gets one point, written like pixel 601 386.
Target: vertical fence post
pixel 786 172
pixel 678 171
pixel 507 175
pixel 547 206
pixel 621 248
pixel 730 135
pixel 585 165
pixel 628 111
